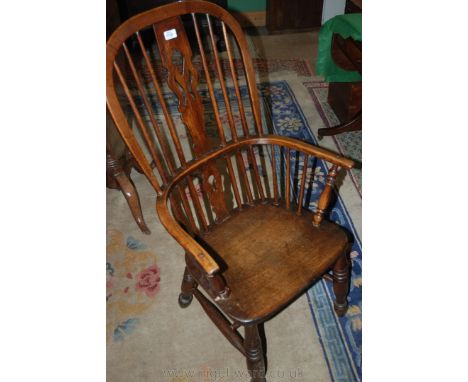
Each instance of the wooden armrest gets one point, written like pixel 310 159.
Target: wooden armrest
pixel 291 143
pixel 183 238
pixel 306 148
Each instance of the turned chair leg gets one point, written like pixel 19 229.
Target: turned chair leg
pixel 187 287
pixel 341 272
pixel 254 354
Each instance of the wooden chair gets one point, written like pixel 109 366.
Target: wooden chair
pixel 229 193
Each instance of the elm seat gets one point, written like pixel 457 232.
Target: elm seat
pixel 274 251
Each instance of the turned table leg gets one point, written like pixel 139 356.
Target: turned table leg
pixel 187 287
pixel 254 354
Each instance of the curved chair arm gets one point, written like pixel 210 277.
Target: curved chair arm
pixel 207 263
pixel 183 238
pixel 291 143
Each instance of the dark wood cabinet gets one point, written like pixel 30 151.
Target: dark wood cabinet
pixel 293 14
pixel 345 98
pixel 129 8
pixel 353 6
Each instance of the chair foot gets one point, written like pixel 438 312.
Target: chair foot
pixel 187 287
pixel 341 285
pixel 185 299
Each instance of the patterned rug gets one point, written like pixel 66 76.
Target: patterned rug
pixel 133 281
pixel 350 143
pixel 142 286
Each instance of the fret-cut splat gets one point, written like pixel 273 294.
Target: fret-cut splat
pixel 183 82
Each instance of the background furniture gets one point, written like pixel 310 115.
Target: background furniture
pixel 129 8
pixel 230 194
pixel 345 98
pixel 347 53
pixel 293 14
pixel 339 60
pixel 353 6
pixel 119 164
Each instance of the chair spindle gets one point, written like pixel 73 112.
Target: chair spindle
pixel 324 199
pixel 149 109
pixel 172 129
pixel 216 110
pixel 196 203
pixel 187 209
pixel 162 139
pixel 303 182
pixel 275 176
pixel 141 124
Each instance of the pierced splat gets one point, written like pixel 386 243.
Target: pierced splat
pixel 172 41
pixel 213 186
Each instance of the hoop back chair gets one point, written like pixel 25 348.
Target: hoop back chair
pixel 230 193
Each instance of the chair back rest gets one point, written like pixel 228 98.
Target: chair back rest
pixel 163 97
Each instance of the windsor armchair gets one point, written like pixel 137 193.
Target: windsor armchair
pixel 231 194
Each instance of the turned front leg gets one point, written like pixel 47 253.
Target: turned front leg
pixel 187 288
pixel 254 354
pixel 341 285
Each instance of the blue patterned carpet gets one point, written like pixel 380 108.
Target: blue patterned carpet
pixel 340 337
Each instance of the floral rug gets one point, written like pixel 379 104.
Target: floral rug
pixel 132 281
pixel 142 286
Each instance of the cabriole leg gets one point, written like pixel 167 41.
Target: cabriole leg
pixel 131 195
pixel 187 287
pixel 341 284
pixel 254 354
